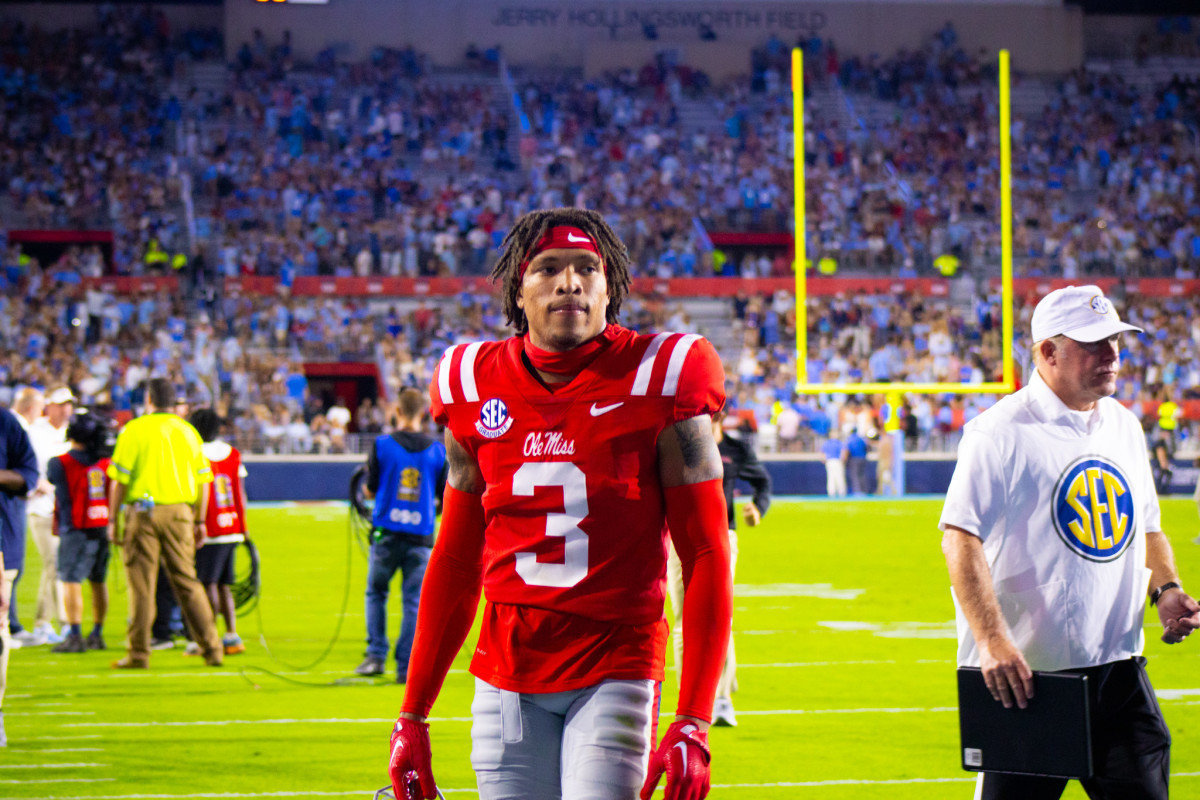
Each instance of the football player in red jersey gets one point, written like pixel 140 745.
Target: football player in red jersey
pixel 573 447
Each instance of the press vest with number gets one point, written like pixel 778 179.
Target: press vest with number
pixel 88 487
pixel 225 497
pixel 405 500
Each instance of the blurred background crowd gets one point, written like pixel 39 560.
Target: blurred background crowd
pixel 209 165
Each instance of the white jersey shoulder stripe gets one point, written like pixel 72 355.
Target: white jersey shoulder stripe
pixel 470 392
pixel 467 387
pixel 641 381
pixel 675 365
pixel 444 375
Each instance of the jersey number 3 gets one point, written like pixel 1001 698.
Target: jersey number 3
pixel 575 551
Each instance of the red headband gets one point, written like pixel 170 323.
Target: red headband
pixel 564 237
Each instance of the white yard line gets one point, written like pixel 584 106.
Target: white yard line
pixel 388 720
pixel 366 792
pixel 73 737
pixel 218 722
pixel 59 780
pixel 783 664
pixel 843 782
pixel 787 712
pixel 358 793
pixel 205 675
pixel 50 766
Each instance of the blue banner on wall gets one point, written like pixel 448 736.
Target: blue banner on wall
pixel 310 479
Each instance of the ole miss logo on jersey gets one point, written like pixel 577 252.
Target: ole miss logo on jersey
pixel 1093 509
pixel 494 420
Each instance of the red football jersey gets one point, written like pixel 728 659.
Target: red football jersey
pixel 574 560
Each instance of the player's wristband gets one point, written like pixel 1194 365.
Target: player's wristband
pixel 1157 593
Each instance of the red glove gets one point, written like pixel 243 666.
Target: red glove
pixel 411 765
pixel 683 755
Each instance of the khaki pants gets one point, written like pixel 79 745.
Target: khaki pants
pixel 166 533
pixel 49 597
pixel 675 592
pixel 10 575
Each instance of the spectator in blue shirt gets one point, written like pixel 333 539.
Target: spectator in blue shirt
pixel 835 466
pixel 856 463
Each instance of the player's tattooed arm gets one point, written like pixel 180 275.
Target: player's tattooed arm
pixel 687 453
pixel 463 473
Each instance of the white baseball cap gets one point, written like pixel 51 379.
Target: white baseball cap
pixel 1081 313
pixel 60 395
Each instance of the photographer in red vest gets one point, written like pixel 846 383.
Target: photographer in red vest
pixel 81 516
pixel 226 526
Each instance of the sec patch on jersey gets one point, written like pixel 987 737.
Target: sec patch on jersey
pixel 1093 509
pixel 494 420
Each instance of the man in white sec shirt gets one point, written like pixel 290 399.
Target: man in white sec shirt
pixel 1053 541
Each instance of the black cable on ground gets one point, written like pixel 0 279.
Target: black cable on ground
pixel 353 523
pixel 350 680
pixel 247 586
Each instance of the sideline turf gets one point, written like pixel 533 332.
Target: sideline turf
pixel 844 636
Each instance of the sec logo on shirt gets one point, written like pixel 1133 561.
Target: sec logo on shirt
pixel 493 419
pixel 1093 509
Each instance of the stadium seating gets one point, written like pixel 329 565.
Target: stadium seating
pixel 213 168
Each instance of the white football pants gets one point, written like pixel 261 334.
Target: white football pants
pixel 589 744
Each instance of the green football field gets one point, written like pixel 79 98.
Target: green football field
pixel 844 635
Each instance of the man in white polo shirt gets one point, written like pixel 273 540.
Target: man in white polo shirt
pixel 1053 540
pixel 49 436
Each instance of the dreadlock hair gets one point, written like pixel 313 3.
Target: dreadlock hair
pixel 529 229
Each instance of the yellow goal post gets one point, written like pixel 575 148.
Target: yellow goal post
pixel 1008 382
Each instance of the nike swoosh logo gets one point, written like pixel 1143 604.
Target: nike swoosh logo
pixel 573 238
pixel 598 410
pixel 683 750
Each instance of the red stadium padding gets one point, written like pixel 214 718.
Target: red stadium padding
pixel 674 287
pixel 702 287
pixel 1150 287
pixel 1190 409
pixel 750 239
pixel 128 284
pixel 60 237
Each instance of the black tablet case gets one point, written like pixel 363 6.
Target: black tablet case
pixel 1051 737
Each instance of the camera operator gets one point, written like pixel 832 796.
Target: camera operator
pixel 80 522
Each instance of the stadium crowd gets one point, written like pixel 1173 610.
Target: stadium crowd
pixel 87 133
pixel 243 354
pixel 383 168
pixel 375 167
